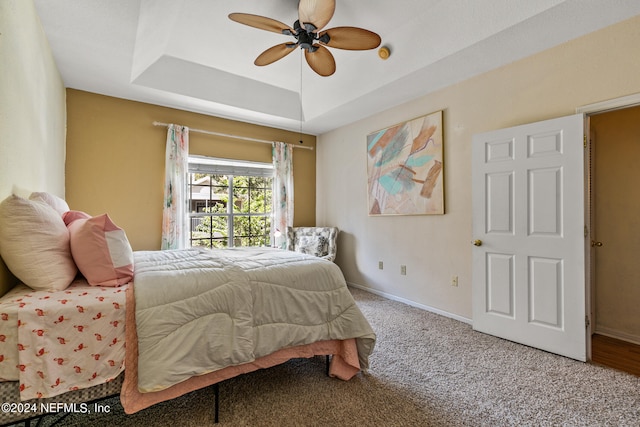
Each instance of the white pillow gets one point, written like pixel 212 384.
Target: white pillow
pixel 34 243
pixel 60 205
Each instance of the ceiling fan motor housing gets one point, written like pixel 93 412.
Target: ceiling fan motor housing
pixel 305 36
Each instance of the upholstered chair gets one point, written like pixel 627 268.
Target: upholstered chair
pixel 318 241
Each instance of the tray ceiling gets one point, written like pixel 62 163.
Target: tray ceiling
pixel 187 54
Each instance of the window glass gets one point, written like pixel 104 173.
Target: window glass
pixel 229 203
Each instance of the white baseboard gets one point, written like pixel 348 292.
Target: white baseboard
pixel 635 339
pixel 412 303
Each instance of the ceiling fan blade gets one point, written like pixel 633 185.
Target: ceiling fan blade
pixel 316 12
pixel 260 22
pixel 321 61
pixel 351 38
pixel 274 53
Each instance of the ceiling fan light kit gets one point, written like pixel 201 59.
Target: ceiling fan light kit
pixel 313 15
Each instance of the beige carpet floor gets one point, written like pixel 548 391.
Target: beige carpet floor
pixel 426 370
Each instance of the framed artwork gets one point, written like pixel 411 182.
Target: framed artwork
pixel 405 168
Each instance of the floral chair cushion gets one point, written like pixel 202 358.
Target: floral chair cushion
pixel 317 241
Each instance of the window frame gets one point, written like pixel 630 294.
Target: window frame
pixel 230 169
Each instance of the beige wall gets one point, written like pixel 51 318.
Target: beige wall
pixel 553 83
pixel 115 160
pixel 32 110
pixel 617 222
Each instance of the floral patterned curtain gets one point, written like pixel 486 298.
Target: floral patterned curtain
pixel 175 232
pixel 282 193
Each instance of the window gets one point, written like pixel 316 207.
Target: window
pixel 229 202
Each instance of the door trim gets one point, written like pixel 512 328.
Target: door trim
pixel 610 105
pixel 613 104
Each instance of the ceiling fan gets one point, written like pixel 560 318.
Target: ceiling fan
pixel 313 15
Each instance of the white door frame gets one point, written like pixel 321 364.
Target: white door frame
pixel 589 110
pixel 610 105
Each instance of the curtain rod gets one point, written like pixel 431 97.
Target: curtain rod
pixel 208 132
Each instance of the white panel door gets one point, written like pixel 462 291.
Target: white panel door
pixel 529 225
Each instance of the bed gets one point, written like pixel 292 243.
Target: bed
pixel 267 305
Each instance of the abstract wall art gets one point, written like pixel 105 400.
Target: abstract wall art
pixel 405 168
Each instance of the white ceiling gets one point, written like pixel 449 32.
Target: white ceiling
pixel 187 54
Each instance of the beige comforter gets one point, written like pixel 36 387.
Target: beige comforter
pixel 198 311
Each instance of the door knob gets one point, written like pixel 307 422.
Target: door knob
pixel 594 243
pixel 477 242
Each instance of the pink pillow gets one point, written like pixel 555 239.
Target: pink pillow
pixel 101 251
pixel 70 216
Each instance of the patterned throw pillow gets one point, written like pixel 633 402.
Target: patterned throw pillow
pixel 307 245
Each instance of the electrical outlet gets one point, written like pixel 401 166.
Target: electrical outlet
pixel 454 281
pixel 403 270
pixel 380 265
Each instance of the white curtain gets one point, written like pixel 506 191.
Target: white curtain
pixel 175 231
pixel 282 193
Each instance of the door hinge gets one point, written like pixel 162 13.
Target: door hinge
pixel 584 139
pixel 587 322
pixel 586 231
